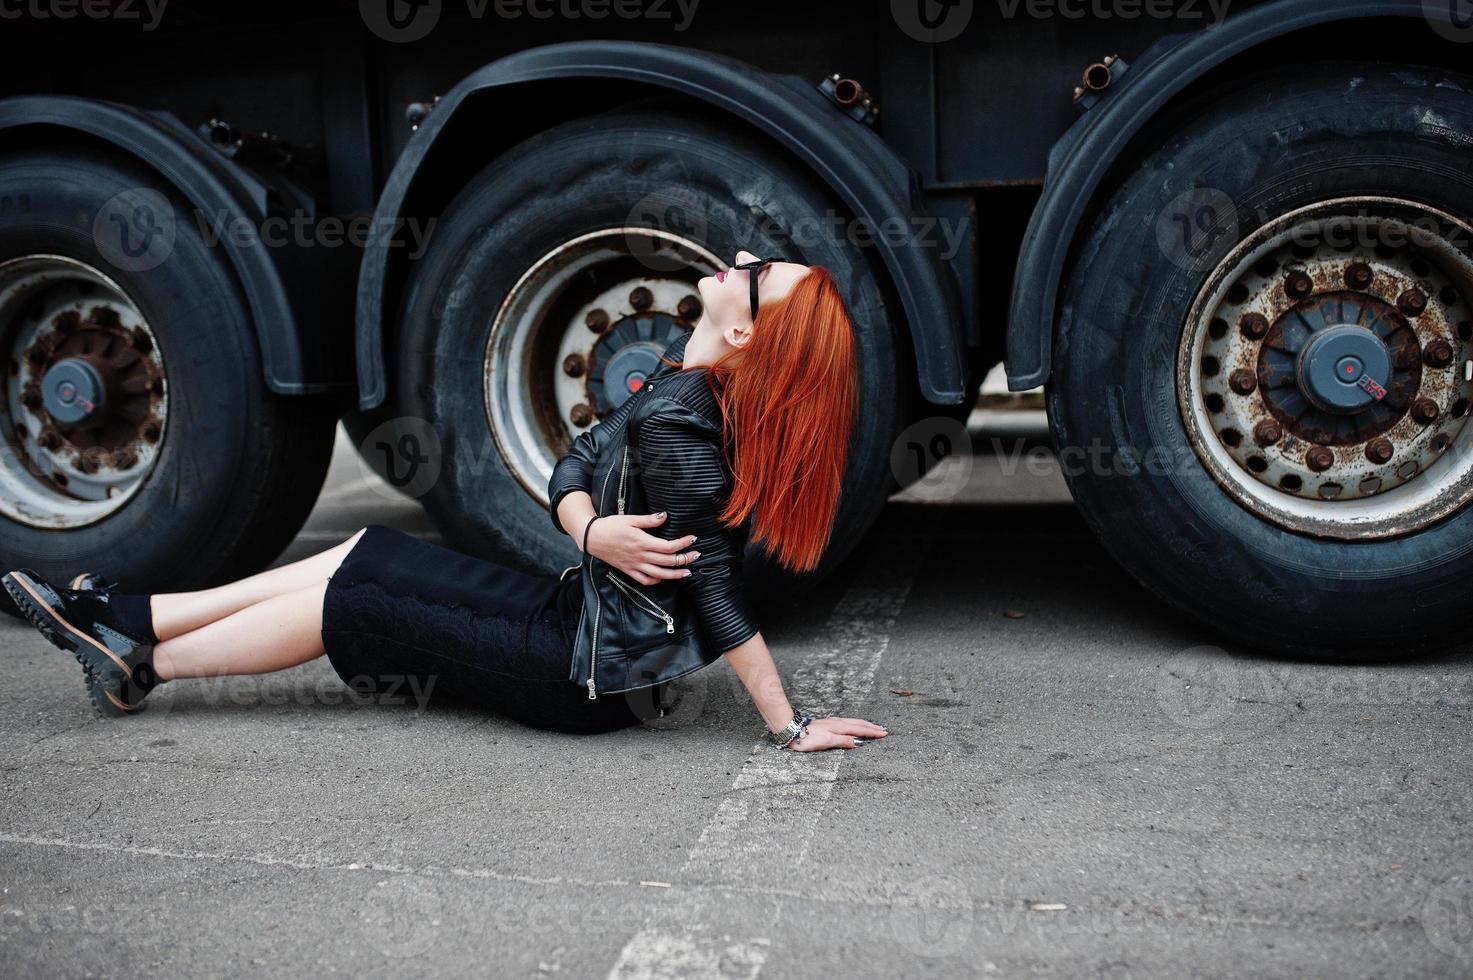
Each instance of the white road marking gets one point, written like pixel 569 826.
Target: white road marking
pixel 337 537
pixel 762 828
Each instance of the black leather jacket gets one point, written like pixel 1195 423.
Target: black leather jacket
pixel 660 450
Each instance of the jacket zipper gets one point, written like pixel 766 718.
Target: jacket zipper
pixel 597 602
pixel 643 601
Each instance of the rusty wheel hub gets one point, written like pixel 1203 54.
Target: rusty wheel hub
pixel 85 394
pixel 1324 375
pixel 579 333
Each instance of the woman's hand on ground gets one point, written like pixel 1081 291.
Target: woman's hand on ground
pixel 622 541
pixel 837 733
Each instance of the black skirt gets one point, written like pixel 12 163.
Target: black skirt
pixel 403 616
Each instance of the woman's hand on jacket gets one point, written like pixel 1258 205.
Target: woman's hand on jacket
pixel 836 733
pixel 622 541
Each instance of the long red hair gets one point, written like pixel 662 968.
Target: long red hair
pixel 788 399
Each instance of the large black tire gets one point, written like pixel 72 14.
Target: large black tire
pixel 585 176
pixel 1271 144
pixel 239 467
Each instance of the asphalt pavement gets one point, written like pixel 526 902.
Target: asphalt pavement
pixel 1078 783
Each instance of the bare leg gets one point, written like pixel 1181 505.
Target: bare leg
pixel 177 613
pixel 273 634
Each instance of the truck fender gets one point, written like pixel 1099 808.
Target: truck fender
pixel 847 156
pixel 1080 161
pixel 286 286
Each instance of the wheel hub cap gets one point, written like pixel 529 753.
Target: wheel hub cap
pixel 627 354
pixel 72 391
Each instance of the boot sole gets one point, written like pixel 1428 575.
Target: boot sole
pixel 64 636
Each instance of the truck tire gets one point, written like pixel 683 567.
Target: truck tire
pixel 556 277
pixel 145 443
pixel 1268 240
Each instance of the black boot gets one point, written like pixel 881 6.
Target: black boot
pixel 91 580
pixel 118 666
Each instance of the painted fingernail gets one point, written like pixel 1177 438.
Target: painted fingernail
pixel 686 574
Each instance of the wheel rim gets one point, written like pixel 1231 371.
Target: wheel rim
pixel 86 398
pixel 1323 374
pixel 578 332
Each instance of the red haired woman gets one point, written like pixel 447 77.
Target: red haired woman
pixel 742 430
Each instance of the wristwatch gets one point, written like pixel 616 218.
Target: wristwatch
pixel 790 732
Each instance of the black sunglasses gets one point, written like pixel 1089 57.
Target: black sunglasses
pixel 752 269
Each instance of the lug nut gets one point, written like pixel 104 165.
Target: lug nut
pixel 1380 450
pixel 1242 381
pixel 1254 326
pixel 689 307
pixel 1425 411
pixel 581 414
pixel 640 298
pixel 49 439
pixel 1437 353
pixel 1358 275
pixel 597 321
pixel 1413 302
pixel 573 365
pixel 1268 432
pixel 1319 458
pixel 1298 285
